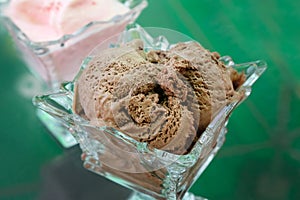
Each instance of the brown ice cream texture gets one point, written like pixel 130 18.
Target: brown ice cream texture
pixel 164 98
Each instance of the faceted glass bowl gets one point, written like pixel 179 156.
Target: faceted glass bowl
pixel 152 173
pixel 59 60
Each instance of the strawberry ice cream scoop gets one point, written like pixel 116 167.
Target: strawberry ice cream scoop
pixel 51 19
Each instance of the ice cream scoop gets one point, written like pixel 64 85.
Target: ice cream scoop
pixel 164 98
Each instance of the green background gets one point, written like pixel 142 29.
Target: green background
pixel 261 155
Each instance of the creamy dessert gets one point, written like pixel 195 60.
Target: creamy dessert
pixel 163 98
pixel 44 20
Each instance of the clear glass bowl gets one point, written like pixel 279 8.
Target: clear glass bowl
pixel 151 173
pixel 54 62
pixel 59 60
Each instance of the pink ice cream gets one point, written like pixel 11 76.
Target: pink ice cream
pixel 48 54
pixel 50 19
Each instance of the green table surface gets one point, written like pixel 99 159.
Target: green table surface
pixel 261 155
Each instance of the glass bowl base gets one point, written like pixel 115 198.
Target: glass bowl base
pixel 141 196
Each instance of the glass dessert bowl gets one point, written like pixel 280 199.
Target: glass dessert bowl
pixel 131 141
pixel 54 60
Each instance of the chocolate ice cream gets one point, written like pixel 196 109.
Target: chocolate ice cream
pixel 164 98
